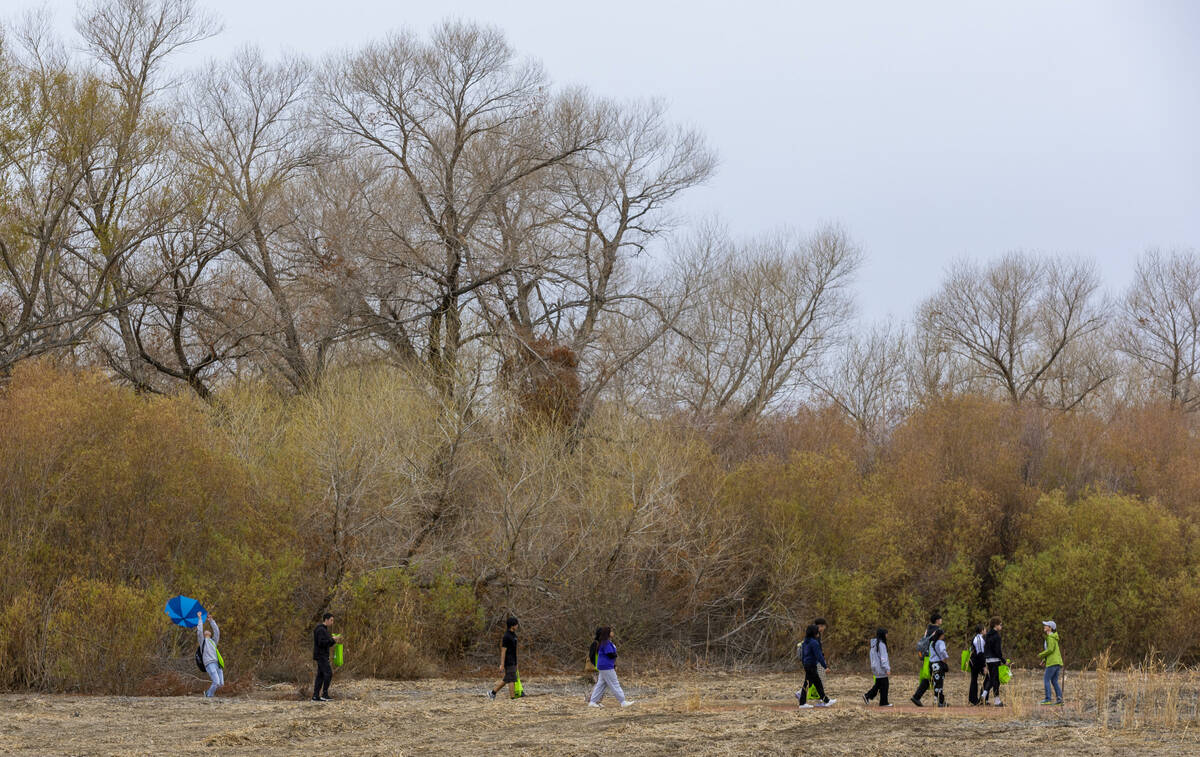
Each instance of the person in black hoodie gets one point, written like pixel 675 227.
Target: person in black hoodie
pixel 322 641
pixel 935 623
pixel 994 657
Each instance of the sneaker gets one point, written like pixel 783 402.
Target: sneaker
pixel 593 704
pixel 830 702
pixel 865 700
pixel 998 703
pixel 1058 703
pixel 1045 702
pixel 326 699
pixel 800 698
pixel 317 699
pixel 916 701
pixel 889 704
pixel 491 694
pixel 628 702
pixel 807 706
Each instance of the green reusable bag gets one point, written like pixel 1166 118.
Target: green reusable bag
pixel 925 674
pixel 518 689
pixel 338 658
pixel 965 664
pixel 1005 674
pixel 812 692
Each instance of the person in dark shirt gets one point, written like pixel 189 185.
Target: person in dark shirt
pixel 322 641
pixel 508 660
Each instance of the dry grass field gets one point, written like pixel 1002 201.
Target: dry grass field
pixel 719 714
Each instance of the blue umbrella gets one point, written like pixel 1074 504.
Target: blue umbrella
pixel 182 611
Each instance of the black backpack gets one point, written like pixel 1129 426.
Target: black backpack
pixel 200 658
pixel 593 652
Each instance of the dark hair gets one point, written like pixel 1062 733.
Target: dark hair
pixel 978 628
pixel 812 631
pixel 820 622
pixel 937 635
pixel 599 631
pixel 508 624
pixel 603 633
pixel 881 635
pixel 995 621
pixel 326 616
pixel 935 616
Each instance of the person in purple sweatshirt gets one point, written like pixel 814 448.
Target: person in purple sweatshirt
pixel 606 665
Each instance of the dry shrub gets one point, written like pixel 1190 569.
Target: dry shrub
pixel 1103 663
pixel 170 684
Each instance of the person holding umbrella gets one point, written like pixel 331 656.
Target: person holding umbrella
pixel 322 641
pixel 213 663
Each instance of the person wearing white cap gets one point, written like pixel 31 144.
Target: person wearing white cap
pixel 1052 658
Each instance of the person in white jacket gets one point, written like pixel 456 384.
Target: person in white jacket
pixel 881 667
pixel 208 641
pixel 939 665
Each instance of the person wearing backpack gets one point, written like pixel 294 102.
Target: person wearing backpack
pixel 993 653
pixel 207 654
pixel 977 665
pixel 939 665
pixel 1052 658
pixel 606 670
pixel 935 622
pixel 811 655
pixel 881 668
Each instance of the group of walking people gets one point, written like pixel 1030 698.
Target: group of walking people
pixel 983 658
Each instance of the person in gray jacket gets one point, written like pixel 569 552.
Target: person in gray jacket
pixel 881 667
pixel 208 641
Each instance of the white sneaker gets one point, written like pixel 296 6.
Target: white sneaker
pixel 808 706
pixel 593 704
pixel 628 702
pixel 831 703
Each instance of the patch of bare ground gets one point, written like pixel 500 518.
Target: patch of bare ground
pixel 708 714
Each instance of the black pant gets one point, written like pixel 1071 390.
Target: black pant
pixel 811 676
pixel 992 683
pixel 977 669
pixel 923 686
pixel 880 688
pixel 324 676
pixel 937 672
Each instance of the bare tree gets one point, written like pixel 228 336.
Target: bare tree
pixel 126 196
pixel 867 379
pixel 1159 324
pixel 461 121
pixel 1016 323
pixel 771 308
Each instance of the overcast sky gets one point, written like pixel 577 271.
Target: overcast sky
pixel 930 130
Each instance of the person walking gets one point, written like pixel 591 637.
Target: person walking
pixel 1052 658
pixel 508 660
pixel 993 652
pixel 978 665
pixel 881 668
pixel 811 656
pixel 822 669
pixel 606 668
pixel 939 665
pixel 323 640
pixel 590 667
pixel 935 622
pixel 214 665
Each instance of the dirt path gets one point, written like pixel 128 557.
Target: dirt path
pixel 711 715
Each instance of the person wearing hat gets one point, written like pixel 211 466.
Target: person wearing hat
pixel 1052 658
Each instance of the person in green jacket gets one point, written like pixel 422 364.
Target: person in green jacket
pixel 1052 658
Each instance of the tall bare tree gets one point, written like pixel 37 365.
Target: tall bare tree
pixel 867 379
pixel 1159 324
pixel 460 120
pixel 1015 323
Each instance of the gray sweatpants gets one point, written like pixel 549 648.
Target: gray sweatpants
pixel 607 680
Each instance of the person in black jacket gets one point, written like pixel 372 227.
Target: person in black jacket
pixel 993 654
pixel 322 641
